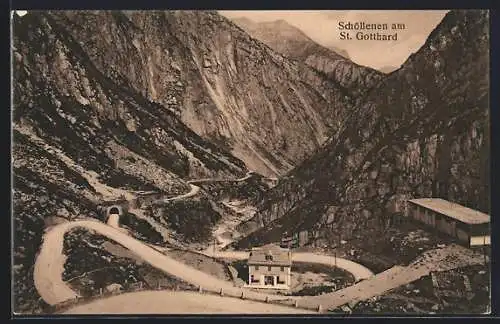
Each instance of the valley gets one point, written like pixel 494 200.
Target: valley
pixel 156 153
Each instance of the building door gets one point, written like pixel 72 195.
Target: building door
pixel 268 280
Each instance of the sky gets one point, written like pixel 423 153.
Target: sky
pixel 322 27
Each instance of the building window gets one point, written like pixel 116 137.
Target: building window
pixel 269 268
pixel 269 257
pixel 256 267
pixel 282 269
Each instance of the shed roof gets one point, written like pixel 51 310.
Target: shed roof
pixel 280 256
pixel 453 210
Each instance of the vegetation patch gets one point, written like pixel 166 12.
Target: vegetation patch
pixel 90 269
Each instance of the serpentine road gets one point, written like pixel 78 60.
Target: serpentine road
pixel 195 189
pixel 49 265
pixel 193 192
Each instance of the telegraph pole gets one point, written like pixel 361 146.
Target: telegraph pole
pixel 484 248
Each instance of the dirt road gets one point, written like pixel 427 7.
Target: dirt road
pixel 49 267
pixel 450 257
pixel 193 192
pixel 246 177
pixel 49 264
pixel 357 270
pixel 169 302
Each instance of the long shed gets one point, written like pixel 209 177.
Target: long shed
pixel 471 227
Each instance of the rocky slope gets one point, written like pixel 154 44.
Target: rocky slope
pixel 295 44
pixel 82 137
pixel 229 88
pixel 423 132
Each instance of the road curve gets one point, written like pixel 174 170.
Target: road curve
pixel 195 189
pixel 193 192
pixel 49 265
pixel 357 270
pixel 248 175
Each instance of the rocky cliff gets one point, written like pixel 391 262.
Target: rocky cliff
pixel 423 132
pixel 229 88
pixel 295 44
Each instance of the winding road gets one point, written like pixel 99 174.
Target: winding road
pixel 193 192
pixel 49 268
pixel 49 265
pixel 195 189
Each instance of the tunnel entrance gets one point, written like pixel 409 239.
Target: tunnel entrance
pixel 114 210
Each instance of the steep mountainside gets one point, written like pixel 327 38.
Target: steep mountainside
pixel 424 132
pixel 293 43
pixel 226 86
pixel 81 138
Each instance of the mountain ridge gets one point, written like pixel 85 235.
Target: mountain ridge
pixel 205 78
pixel 295 44
pixel 403 149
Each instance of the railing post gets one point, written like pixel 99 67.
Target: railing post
pixel 200 290
pixel 221 292
pixel 296 303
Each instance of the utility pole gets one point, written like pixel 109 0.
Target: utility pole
pixel 484 248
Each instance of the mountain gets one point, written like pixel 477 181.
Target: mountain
pixel 81 138
pixel 295 44
pixel 422 132
pixel 108 105
pixel 227 87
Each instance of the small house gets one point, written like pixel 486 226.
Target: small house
pixel 270 266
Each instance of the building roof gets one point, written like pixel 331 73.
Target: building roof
pixel 453 210
pixel 280 256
